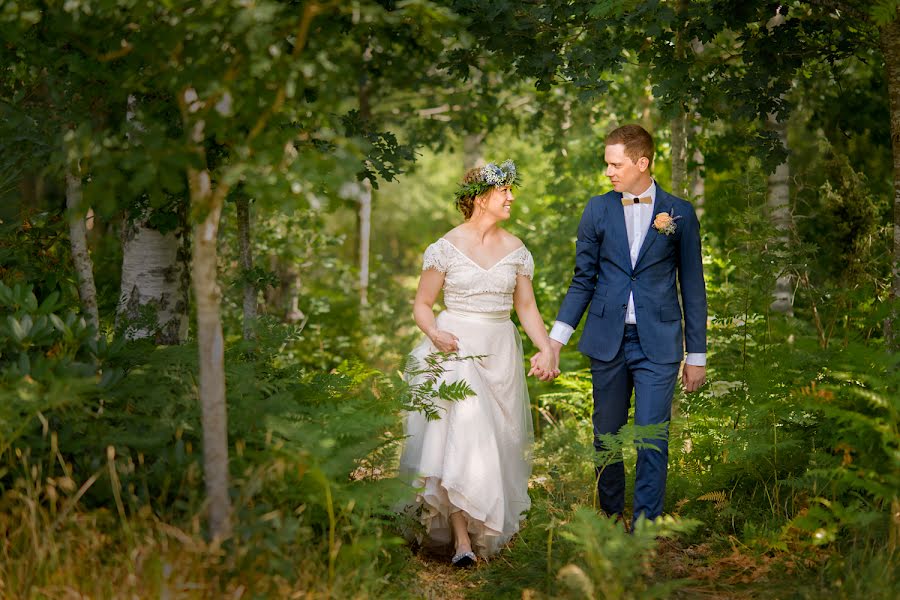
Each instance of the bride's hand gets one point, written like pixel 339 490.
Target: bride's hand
pixel 445 341
pixel 544 366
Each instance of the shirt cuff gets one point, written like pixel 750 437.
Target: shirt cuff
pixel 696 359
pixel 561 332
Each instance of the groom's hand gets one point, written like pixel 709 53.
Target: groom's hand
pixel 545 365
pixel 693 377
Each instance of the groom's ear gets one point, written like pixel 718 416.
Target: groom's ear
pixel 643 163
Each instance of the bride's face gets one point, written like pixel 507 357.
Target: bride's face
pixel 498 203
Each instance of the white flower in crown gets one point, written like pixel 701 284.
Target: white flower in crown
pixel 492 174
pixel 508 168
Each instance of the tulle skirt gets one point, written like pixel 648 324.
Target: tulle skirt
pixel 476 457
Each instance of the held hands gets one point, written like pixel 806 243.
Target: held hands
pixel 545 364
pixel 444 341
pixel 692 377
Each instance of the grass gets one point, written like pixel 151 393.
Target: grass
pixel 56 545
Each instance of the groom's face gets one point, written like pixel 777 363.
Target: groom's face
pixel 624 174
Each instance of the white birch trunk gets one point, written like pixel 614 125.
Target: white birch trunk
pixel 211 346
pixel 154 299
pixel 81 258
pixel 778 201
pixel 154 293
pixel 365 233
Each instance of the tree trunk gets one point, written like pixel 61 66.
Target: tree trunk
pixel 154 294
pixel 890 46
pixel 698 182
pixel 246 259
pixel 678 125
pixel 780 212
pixel 84 267
pixel 365 234
pixel 154 297
pixel 211 347
pixel 679 155
pixel 472 150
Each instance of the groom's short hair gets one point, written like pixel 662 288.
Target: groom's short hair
pixel 636 140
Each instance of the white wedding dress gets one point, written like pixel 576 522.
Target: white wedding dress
pixel 476 457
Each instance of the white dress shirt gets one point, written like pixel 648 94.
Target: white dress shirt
pixel 637 224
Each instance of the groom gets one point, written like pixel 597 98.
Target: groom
pixel 632 244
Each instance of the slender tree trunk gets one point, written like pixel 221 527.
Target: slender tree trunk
pixel 212 352
pixel 679 155
pixel 890 45
pixel 698 182
pixel 365 196
pixel 206 203
pixel 293 314
pixel 678 125
pixel 780 212
pixel 84 267
pixel 154 296
pixel 246 259
pixel 365 234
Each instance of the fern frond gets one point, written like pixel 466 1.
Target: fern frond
pixel 720 498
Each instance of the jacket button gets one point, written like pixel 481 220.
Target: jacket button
pixel 634 278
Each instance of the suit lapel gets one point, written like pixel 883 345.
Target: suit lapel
pixel 620 233
pixel 662 204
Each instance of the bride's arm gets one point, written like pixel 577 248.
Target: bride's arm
pixel 530 318
pixel 430 284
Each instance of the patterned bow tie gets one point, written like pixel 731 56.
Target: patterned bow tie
pixel 630 201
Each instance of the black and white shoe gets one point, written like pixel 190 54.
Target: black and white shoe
pixel 463 560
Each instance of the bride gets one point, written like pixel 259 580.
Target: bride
pixel 470 467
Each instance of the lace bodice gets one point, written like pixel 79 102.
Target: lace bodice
pixel 470 287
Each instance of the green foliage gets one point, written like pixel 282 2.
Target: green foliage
pixel 791 451
pixel 612 563
pixel 426 396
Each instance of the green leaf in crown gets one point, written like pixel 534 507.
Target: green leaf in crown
pixel 491 176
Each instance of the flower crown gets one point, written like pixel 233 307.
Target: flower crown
pixel 490 176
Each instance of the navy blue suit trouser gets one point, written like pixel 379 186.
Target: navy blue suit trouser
pixel 653 385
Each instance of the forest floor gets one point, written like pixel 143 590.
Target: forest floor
pixel 705 563
pixel 698 571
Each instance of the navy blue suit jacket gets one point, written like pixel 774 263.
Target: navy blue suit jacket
pixel 604 277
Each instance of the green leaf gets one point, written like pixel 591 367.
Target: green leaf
pixel 16 329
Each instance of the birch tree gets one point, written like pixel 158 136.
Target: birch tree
pixel 81 258
pixel 153 297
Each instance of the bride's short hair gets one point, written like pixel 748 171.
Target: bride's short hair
pixel 636 140
pixel 466 204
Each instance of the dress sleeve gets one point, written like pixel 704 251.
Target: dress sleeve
pixel 434 258
pixel 526 267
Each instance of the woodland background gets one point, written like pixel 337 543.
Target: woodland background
pixel 212 215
